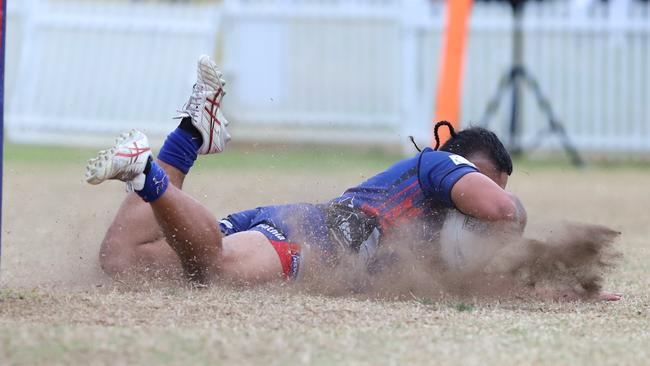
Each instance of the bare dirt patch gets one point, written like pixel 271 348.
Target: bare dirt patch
pixel 56 307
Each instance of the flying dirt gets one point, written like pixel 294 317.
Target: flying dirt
pixel 570 262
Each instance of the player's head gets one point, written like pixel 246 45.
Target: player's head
pixel 480 146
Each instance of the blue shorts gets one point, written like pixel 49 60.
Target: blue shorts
pixel 288 228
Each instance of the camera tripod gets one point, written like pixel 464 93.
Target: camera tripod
pixel 515 79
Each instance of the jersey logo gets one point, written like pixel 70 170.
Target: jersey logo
pixel 273 231
pixel 459 160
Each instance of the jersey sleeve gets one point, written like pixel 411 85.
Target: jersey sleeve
pixel 438 171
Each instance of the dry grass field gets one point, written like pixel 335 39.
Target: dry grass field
pixel 57 307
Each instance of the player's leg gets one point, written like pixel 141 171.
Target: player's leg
pixel 134 241
pixel 190 229
pixel 137 237
pixel 249 257
pixel 193 239
pixel 269 242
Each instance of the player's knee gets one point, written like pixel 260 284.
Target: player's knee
pixel 112 266
pixel 112 260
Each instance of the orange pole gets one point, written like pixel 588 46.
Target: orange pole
pixel 450 77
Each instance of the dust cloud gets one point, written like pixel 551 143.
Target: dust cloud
pixel 569 263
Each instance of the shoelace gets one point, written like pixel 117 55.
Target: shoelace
pixel 197 99
pixel 193 105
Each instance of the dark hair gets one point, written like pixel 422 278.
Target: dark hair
pixel 475 140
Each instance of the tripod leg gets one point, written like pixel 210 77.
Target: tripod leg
pixel 514 145
pixel 554 124
pixel 576 159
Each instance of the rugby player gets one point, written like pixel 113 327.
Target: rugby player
pixel 160 226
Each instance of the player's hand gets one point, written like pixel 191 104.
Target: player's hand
pixel 609 296
pixel 570 295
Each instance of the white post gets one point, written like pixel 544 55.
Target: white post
pixel 618 16
pixel 25 90
pixel 415 118
pixel 579 8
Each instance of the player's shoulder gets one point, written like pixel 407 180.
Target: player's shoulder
pixel 438 171
pixel 430 159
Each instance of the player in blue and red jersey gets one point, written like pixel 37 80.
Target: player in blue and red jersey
pixel 164 227
pixel 415 190
pixel 161 227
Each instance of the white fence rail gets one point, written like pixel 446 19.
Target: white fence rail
pixel 92 68
pixel 322 70
pixel 344 71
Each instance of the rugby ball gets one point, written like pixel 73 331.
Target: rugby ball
pixel 465 243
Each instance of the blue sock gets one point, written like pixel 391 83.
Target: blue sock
pixel 180 150
pixel 155 183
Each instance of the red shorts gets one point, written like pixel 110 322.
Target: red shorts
pixel 288 228
pixel 289 254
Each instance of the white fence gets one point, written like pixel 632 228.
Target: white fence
pixel 344 71
pixel 332 71
pixel 93 68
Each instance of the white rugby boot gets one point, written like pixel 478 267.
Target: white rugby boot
pixel 124 161
pixel 204 107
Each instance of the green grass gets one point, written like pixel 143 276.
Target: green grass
pixel 461 306
pixel 240 157
pixel 35 154
pixel 302 157
pixel 563 163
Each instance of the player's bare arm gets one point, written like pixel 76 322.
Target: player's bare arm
pixel 477 195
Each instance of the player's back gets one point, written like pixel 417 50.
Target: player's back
pixel 417 188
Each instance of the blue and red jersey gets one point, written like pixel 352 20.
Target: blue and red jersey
pixel 414 188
